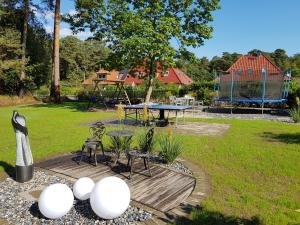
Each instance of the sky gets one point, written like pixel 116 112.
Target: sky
pixel 239 26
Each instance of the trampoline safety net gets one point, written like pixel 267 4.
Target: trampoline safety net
pixel 257 86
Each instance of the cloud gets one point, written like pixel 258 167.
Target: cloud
pixel 66 31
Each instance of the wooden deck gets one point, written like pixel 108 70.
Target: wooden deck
pixel 165 190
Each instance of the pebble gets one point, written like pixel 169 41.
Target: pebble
pixel 18 210
pixel 176 165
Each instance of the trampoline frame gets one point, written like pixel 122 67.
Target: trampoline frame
pixel 285 90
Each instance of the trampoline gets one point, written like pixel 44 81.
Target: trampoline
pixel 250 86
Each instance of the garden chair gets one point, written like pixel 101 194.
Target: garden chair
pixel 172 99
pixel 93 143
pixel 143 153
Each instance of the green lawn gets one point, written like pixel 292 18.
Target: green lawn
pixel 254 169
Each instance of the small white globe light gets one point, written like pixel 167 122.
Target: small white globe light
pixel 83 187
pixel 110 197
pixel 56 201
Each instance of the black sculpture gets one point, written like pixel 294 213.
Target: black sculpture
pixel 24 161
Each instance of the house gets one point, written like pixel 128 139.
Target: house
pixel 106 77
pixel 171 76
pixel 252 79
pixel 250 67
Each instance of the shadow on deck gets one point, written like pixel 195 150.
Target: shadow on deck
pixel 165 190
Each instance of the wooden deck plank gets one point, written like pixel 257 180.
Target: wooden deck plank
pixel 163 191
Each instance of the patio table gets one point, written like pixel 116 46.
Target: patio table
pixel 119 134
pixel 160 108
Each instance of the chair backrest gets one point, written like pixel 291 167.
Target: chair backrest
pixel 149 141
pixel 97 131
pixel 172 99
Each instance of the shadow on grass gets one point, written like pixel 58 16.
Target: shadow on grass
pixel 8 169
pixel 204 217
pixel 288 138
pixel 76 106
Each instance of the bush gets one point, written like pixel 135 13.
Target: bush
pixel 295 114
pixel 171 147
pixel 28 84
pixel 121 144
pixel 294 93
pixel 11 82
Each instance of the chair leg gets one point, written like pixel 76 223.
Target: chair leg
pixel 82 149
pixel 148 165
pixel 131 166
pixel 145 164
pixel 95 156
pixel 101 145
pixel 128 161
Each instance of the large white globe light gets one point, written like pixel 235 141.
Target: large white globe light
pixel 56 201
pixel 110 197
pixel 83 187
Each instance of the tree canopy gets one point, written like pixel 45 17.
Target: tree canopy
pixel 139 33
pixel 78 58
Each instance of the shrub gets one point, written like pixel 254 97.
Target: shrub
pixel 11 82
pixel 28 84
pixel 295 114
pixel 122 144
pixel 171 147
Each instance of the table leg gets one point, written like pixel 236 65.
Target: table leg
pixel 176 120
pixel 136 116
pixel 162 114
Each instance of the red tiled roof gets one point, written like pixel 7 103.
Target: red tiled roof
pixel 183 78
pixel 256 63
pixel 175 76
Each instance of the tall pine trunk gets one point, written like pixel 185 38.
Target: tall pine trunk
pixel 24 40
pixel 55 87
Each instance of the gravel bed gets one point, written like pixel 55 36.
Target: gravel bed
pixel 17 209
pixel 177 166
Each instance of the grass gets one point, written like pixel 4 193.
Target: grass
pixel 253 169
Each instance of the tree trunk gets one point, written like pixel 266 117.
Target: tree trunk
pixel 149 89
pixel 55 87
pixel 24 40
pixel 150 80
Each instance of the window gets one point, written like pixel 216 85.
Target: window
pixel 102 76
pixel 141 75
pixel 166 73
pixel 250 72
pixel 239 72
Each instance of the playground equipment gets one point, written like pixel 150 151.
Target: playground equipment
pixel 252 87
pixel 105 78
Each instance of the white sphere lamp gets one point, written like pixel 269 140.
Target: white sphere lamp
pixel 83 187
pixel 110 197
pixel 56 201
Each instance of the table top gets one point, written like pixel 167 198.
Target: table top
pixel 120 133
pixel 163 107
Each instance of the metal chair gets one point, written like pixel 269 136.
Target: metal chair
pixel 143 153
pixel 93 143
pixel 172 99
